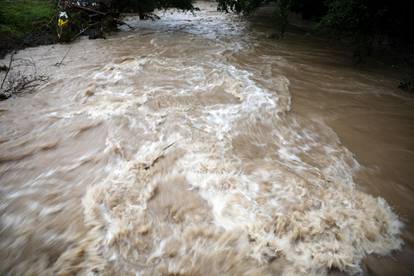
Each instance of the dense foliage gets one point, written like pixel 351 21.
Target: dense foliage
pixel 363 19
pixel 34 22
pixel 148 6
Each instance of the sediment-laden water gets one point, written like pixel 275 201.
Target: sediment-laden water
pixel 195 145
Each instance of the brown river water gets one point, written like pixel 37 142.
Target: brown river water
pixel 196 145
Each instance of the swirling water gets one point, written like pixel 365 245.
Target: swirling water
pixel 195 145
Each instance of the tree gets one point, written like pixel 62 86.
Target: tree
pixel 95 17
pixel 145 7
pixel 367 22
pixel 247 6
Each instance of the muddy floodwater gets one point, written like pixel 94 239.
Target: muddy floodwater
pixel 198 145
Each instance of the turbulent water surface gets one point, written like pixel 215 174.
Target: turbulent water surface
pixel 196 145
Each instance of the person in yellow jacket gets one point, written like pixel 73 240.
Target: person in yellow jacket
pixel 63 26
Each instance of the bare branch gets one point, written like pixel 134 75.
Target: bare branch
pixel 19 81
pixel 8 70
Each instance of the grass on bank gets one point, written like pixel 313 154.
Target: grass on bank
pixel 20 17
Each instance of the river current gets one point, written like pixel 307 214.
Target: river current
pixel 198 145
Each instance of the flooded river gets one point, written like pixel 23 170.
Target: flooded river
pixel 197 145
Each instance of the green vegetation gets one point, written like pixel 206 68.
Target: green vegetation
pixel 20 17
pixel 146 7
pixel 26 22
pixel 33 22
pixel 368 23
pixel 151 5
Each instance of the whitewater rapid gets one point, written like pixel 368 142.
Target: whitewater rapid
pixel 156 152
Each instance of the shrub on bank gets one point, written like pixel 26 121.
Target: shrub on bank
pixel 368 23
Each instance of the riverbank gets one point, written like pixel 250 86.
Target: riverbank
pixel 32 22
pixel 397 59
pixel 26 23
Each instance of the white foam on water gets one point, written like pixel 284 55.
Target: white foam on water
pixel 206 169
pixel 298 200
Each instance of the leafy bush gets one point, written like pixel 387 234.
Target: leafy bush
pixel 148 6
pixel 367 22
